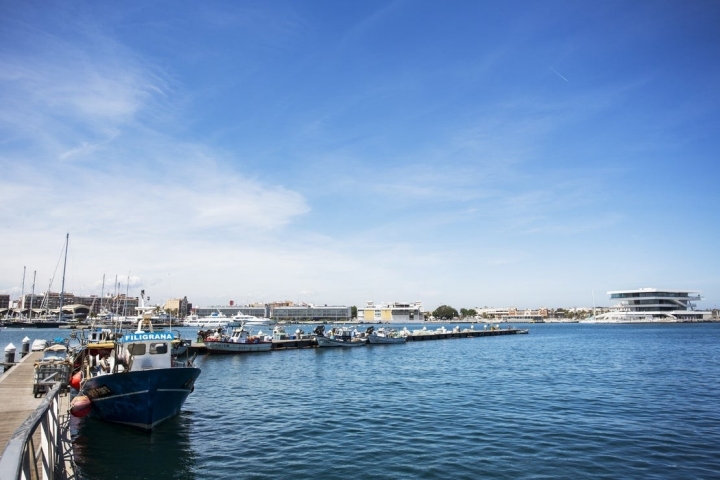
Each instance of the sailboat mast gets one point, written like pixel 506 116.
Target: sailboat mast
pixel 62 288
pixel 102 293
pixel 21 306
pixel 32 295
pixel 127 292
pixel 116 309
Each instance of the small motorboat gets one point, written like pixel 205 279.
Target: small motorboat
pixel 39 345
pixel 338 337
pixel 239 341
pixel 383 336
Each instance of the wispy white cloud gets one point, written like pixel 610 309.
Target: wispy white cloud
pixel 399 177
pixel 103 166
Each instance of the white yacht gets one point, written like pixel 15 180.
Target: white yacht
pixel 648 305
pixel 240 319
pixel 216 319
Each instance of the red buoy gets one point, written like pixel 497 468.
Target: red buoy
pixel 75 381
pixel 80 406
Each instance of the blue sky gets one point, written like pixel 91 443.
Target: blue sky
pixel 466 153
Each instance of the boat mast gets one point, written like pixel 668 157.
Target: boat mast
pixel 127 292
pixel 62 288
pixel 32 295
pixel 22 294
pixel 115 300
pixel 102 293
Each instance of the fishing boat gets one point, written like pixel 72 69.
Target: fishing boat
pixel 383 336
pixel 134 380
pixel 338 337
pixel 239 341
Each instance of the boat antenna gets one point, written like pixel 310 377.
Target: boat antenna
pixel 62 289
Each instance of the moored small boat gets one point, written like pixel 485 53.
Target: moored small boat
pixel 337 337
pixel 383 336
pixel 239 341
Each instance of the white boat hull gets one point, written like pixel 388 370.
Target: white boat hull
pixel 334 342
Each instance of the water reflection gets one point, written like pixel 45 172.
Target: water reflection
pixel 104 450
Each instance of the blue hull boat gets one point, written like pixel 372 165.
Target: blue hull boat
pixel 133 378
pixel 140 399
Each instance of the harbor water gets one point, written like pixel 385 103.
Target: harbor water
pixel 564 401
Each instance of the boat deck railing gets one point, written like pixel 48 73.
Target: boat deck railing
pixel 25 459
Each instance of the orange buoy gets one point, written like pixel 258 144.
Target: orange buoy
pixel 75 381
pixel 80 406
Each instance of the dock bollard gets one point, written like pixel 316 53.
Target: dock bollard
pixel 25 347
pixel 9 356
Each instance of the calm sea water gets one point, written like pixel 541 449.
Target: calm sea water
pixel 565 401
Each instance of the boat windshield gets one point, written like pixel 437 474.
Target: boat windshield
pixel 148 355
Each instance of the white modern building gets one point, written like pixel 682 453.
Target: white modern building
pixel 512 314
pixel 323 313
pixel 283 311
pixel 652 305
pixel 397 312
pixel 259 311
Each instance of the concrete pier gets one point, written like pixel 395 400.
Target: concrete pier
pixel 292 343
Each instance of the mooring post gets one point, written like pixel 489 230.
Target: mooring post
pixel 25 347
pixel 9 356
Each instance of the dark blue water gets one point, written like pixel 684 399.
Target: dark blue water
pixel 567 401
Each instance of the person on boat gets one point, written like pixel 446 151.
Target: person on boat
pixel 104 363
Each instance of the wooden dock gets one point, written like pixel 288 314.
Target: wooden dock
pixel 17 401
pixel 492 332
pixel 198 348
pixel 201 349
pixel 294 343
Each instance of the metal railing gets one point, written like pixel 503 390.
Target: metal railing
pixel 22 459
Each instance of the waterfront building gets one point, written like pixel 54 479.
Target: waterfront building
pixel 397 312
pixel 513 314
pixel 309 311
pixel 282 311
pixel 178 306
pixel 4 305
pixel 256 310
pixel 652 305
pixel 493 313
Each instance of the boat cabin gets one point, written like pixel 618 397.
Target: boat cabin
pixel 147 350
